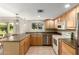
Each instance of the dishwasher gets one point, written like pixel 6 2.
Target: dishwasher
pixel 46 39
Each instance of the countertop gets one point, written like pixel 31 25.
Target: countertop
pixel 69 42
pixel 14 38
pixel 55 33
pixel 19 37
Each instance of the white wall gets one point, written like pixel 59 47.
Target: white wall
pixel 23 26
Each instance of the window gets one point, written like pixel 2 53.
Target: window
pixel 37 26
pixel 3 28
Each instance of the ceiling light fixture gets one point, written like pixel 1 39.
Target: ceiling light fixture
pixel 40 11
pixel 67 5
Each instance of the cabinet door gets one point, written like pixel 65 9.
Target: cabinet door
pixel 22 47
pixel 71 20
pixel 47 24
pixel 51 24
pixel 26 45
pixel 39 40
pixel 33 41
pixel 56 24
pixel 28 42
pixel 22 50
pixel 36 39
pixel 67 50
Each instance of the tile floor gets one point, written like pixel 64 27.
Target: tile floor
pixel 40 50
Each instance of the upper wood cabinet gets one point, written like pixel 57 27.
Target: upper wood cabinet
pixel 68 20
pixel 46 24
pixel 49 24
pixel 71 19
pixel 56 23
pixel 60 22
pixel 63 18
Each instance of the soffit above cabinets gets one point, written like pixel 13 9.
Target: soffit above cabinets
pixel 29 10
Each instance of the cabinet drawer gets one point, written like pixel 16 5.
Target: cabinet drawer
pixel 22 42
pixel 22 50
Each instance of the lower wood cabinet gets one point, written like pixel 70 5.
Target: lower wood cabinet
pixel 36 39
pixel 40 40
pixel 27 44
pixel 24 45
pixel 65 49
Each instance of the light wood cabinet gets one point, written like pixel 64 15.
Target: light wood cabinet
pixel 24 45
pixel 62 18
pixel 71 19
pixel 60 23
pixel 36 39
pixel 56 23
pixel 49 24
pixel 33 40
pixel 65 49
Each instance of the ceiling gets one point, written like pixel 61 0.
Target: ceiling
pixel 29 10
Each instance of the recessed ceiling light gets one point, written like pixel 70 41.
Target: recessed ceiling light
pixel 38 16
pixel 67 5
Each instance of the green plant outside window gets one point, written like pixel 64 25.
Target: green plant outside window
pixel 6 28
